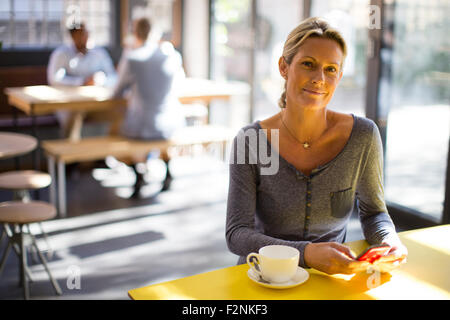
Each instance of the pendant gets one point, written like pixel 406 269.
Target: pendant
pixel 306 145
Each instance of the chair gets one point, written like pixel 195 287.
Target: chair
pixel 21 182
pixel 20 214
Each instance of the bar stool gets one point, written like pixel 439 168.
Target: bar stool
pixel 21 182
pixel 15 144
pixel 20 214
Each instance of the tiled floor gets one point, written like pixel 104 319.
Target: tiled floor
pixel 110 244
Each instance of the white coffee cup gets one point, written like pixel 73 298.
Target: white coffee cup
pixel 275 263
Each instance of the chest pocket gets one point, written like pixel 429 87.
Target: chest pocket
pixel 342 202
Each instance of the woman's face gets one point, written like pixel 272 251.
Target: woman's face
pixel 313 74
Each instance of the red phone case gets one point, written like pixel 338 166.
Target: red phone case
pixel 373 253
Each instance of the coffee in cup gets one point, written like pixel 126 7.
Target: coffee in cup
pixel 275 263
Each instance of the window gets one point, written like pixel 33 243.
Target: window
pixel 165 17
pixel 232 39
pixel 249 52
pixel 351 18
pixel 41 23
pixel 160 13
pixel 418 124
pixel 275 20
pixel 231 57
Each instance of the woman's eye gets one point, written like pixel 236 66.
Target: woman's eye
pixel 307 63
pixel 331 69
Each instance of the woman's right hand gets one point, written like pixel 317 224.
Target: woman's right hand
pixel 333 258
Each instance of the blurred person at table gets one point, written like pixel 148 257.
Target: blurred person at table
pixel 78 65
pixel 148 74
pixel 327 159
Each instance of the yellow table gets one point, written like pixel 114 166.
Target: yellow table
pixel 425 276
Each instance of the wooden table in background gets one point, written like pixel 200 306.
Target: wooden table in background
pixel 424 276
pixel 205 91
pixel 43 99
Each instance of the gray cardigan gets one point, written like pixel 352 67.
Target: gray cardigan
pixel 292 209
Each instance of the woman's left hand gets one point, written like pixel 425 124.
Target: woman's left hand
pixel 393 259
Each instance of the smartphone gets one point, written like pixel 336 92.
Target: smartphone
pixel 373 253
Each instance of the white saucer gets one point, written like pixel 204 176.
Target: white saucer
pixel 300 276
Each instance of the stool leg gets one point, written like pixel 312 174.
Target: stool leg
pixel 13 244
pixel 5 255
pixel 32 250
pixel 51 170
pixel 62 188
pixel 3 234
pixel 22 195
pixel 49 248
pixel 44 262
pixel 23 264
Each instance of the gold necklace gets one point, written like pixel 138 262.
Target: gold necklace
pixel 305 144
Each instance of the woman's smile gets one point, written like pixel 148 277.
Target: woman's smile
pixel 316 93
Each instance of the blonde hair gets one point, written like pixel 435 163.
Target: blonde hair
pixel 309 28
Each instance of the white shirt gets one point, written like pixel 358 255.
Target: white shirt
pixel 69 67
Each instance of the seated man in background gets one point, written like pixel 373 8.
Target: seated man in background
pixel 151 72
pixel 76 65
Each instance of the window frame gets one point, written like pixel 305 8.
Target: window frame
pixel 373 110
pixel 38 56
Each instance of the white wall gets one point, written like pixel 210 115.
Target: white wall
pixel 196 38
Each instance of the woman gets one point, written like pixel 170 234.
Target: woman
pixel 327 160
